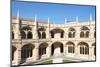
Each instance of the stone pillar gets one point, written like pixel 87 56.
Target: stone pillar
pixel 17 31
pixel 36 52
pixel 48 34
pixel 17 27
pixel 77 51
pixel 48 30
pixel 90 52
pixel 17 35
pixel 66 34
pixel 48 51
pixel 77 34
pixel 35 28
pixel 65 49
pixel 91 34
pixel 17 56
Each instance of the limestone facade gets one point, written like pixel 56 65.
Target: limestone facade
pixel 33 40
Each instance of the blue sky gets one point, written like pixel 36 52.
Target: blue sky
pixel 56 12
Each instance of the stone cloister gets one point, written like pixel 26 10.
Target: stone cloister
pixel 35 40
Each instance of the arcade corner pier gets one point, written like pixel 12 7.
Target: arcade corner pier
pixel 34 41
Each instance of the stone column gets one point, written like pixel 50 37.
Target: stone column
pixel 17 35
pixel 66 34
pixel 48 51
pixel 35 34
pixel 65 49
pixel 48 30
pixel 77 33
pixel 35 28
pixel 77 51
pixel 36 52
pixel 91 34
pixel 17 27
pixel 17 56
pixel 48 34
pixel 90 52
pixel 17 31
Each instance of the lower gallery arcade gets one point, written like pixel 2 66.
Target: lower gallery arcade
pixel 32 52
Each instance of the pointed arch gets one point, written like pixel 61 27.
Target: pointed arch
pixel 71 33
pixel 57 31
pixel 84 28
pixel 42 49
pixel 84 32
pixel 71 29
pixel 27 51
pixel 84 48
pixel 26 28
pixel 55 46
pixel 70 47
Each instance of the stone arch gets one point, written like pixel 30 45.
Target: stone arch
pixel 71 33
pixel 83 48
pixel 27 51
pixel 84 28
pixel 42 49
pixel 71 47
pixel 56 48
pixel 41 29
pixel 84 32
pixel 26 28
pixel 12 35
pixel 25 32
pixel 23 35
pixel 71 29
pixel 94 48
pixel 13 52
pixel 57 33
pixel 29 35
pixel 43 35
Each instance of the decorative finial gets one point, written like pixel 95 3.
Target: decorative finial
pixel 90 17
pixel 35 17
pixel 18 14
pixel 65 20
pixel 77 19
